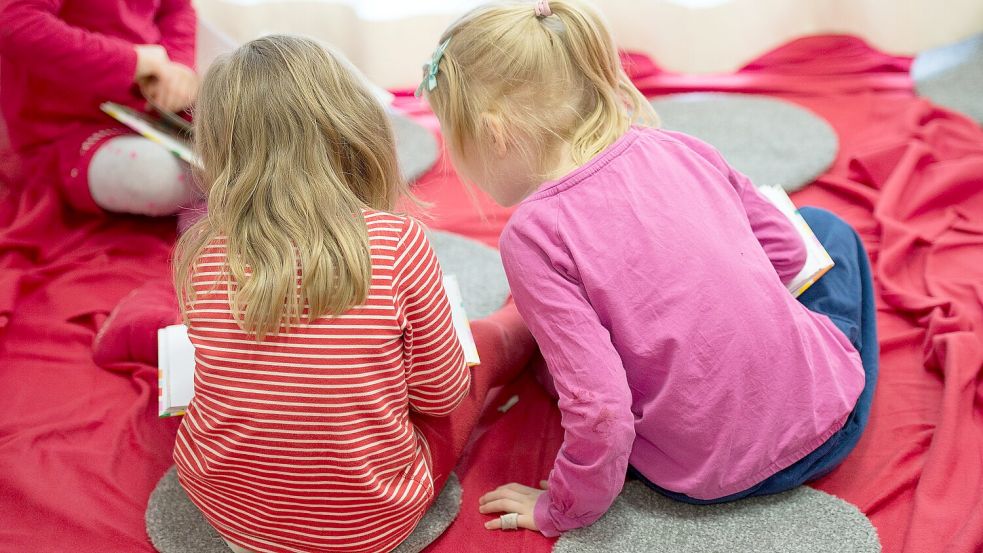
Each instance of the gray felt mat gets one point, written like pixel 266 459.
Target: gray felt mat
pixel 478 269
pixel 803 520
pixel 416 146
pixel 175 525
pixel 952 76
pixel 771 141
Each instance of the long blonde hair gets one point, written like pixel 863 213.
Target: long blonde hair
pixel 293 148
pixel 550 79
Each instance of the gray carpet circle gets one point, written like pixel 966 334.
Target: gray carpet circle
pixel 772 141
pixel 952 76
pixel 802 520
pixel 478 269
pixel 416 147
pixel 175 525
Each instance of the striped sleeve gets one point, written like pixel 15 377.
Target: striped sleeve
pixel 437 376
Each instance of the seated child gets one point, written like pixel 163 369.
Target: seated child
pixel 60 59
pixel 651 274
pixel 331 394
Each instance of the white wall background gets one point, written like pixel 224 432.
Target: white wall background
pixel 390 39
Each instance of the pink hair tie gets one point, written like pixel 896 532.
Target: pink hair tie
pixel 543 8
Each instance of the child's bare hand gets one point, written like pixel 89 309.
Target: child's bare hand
pixel 511 498
pixel 173 88
pixel 151 58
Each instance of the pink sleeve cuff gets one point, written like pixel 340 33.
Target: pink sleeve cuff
pixel 541 515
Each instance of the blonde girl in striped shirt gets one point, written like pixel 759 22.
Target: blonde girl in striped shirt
pixel 325 352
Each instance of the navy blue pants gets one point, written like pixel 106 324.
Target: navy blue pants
pixel 846 295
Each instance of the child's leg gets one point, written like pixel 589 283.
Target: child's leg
pixel 129 335
pixel 131 174
pixel 846 295
pixel 505 346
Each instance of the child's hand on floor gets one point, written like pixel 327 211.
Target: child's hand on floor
pixel 512 498
pixel 174 87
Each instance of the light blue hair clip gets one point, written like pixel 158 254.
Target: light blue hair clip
pixel 430 79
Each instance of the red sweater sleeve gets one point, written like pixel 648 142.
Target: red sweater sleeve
pixel 178 25
pixel 32 35
pixel 437 376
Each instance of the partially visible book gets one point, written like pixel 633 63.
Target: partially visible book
pixel 175 370
pixel 461 323
pixel 818 262
pixel 174 133
pixel 168 130
pixel 176 355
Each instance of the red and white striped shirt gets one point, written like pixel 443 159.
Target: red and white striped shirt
pixel 303 442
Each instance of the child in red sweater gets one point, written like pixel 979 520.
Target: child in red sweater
pixel 332 399
pixel 59 59
pixel 347 404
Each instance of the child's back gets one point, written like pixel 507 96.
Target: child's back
pixel 319 319
pixel 305 438
pixel 726 377
pixel 651 275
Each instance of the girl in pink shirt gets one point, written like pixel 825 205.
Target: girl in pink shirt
pixel 652 275
pixel 60 59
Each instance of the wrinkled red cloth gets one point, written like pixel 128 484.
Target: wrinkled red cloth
pixel 81 447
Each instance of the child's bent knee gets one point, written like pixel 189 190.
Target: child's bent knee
pixel 822 218
pixel 828 227
pixel 133 175
pixel 162 194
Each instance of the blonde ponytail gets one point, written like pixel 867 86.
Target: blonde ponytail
pixel 615 101
pixel 551 79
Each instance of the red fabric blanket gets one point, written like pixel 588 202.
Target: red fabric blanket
pixel 81 447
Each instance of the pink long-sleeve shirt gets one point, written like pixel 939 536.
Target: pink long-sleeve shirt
pixel 652 279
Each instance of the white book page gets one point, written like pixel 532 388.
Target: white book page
pixel 177 147
pixel 460 318
pixel 163 369
pixel 179 374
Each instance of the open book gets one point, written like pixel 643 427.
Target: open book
pixel 176 355
pixel 818 261
pixel 174 133
pixel 167 129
